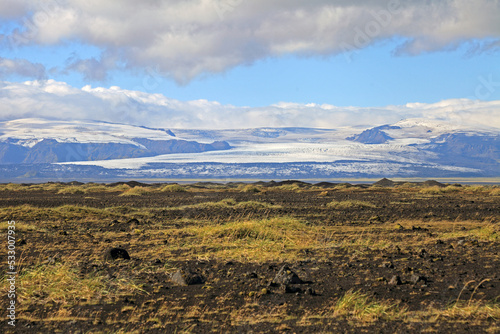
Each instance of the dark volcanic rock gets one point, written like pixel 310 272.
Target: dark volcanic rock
pixel 185 277
pixel 116 253
pixel 286 276
pixel 395 280
pixel 289 289
pixel 133 221
pixel 418 278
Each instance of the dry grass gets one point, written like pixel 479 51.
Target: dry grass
pixel 12 187
pixel 477 188
pixel 356 305
pixel 435 190
pixel 71 190
pixel 60 188
pixel 342 205
pixel 251 189
pixel 248 240
pixel 229 203
pixel 477 310
pixel 489 232
pixel 27 213
pixel 21 227
pixel 90 188
pixel 279 239
pixel 173 188
pixel 59 283
pixel 495 192
pixel 287 187
pixel 137 191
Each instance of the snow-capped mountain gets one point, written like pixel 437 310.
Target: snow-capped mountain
pixel 411 147
pixel 40 141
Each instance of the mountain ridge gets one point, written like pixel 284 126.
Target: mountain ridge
pixel 407 148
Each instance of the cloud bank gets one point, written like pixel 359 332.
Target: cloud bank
pixel 187 38
pixel 21 67
pixel 58 100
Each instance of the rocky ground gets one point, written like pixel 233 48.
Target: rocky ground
pixel 268 257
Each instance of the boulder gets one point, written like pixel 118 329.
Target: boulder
pixel 116 253
pixel 286 276
pixel 186 277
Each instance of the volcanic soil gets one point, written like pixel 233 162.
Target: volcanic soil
pixel 286 257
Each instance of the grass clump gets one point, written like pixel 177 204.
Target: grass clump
pixel 488 233
pixel 288 187
pixel 473 309
pixel 100 188
pixel 21 227
pixel 272 230
pixel 59 283
pixel 225 203
pixel 230 203
pixel 256 205
pixel 249 188
pixel 350 204
pixel 477 188
pixel 68 212
pixel 495 192
pixel 173 188
pixel 361 307
pixel 12 187
pixel 436 190
pixel 62 282
pixel 254 240
pixel 73 190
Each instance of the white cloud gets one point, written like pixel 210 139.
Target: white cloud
pixel 184 39
pixel 57 100
pixel 21 67
pixel 12 8
pixel 92 69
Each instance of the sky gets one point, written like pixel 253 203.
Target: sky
pixel 246 63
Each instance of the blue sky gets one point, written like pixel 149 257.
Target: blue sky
pixel 257 53
pixel 369 77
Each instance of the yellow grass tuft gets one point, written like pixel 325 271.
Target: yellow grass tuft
pixel 495 192
pixel 59 283
pixel 253 240
pixel 136 191
pixel 71 190
pixel 350 204
pixel 363 308
pixel 230 203
pixel 173 188
pixel 249 188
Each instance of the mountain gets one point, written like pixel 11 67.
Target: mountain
pixel 371 136
pixel 33 141
pixel 481 151
pixel 47 149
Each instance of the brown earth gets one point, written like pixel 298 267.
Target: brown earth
pixel 442 244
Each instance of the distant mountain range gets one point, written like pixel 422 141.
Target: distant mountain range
pixel 51 151
pixel 55 149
